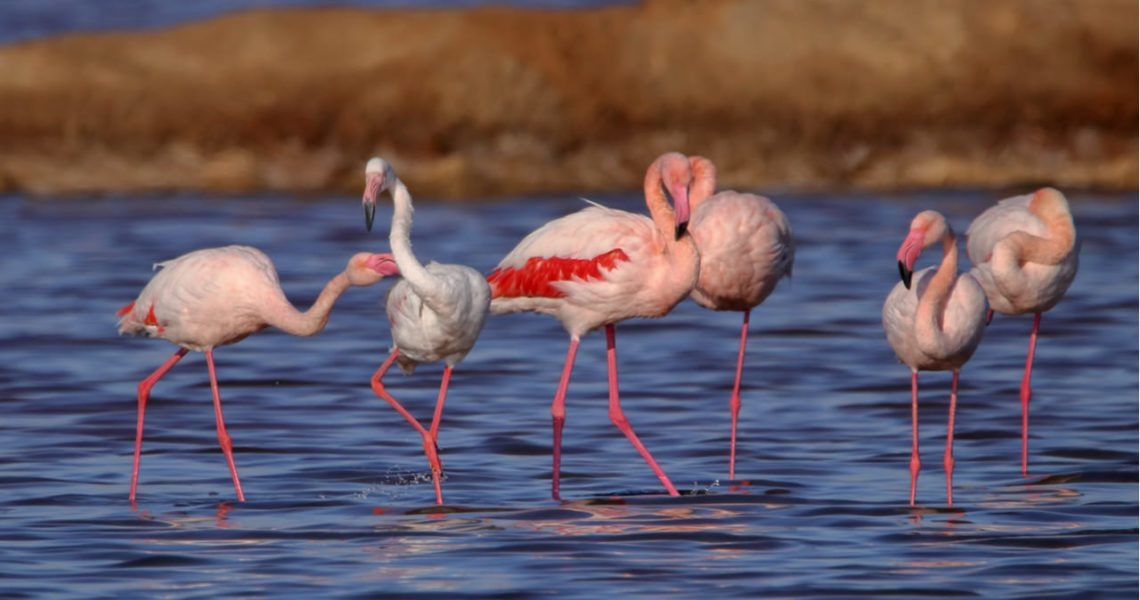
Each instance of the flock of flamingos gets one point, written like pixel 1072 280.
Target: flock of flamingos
pixel 598 266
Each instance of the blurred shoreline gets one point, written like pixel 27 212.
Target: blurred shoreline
pixel 484 102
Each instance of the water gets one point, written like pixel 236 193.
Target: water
pixel 29 19
pixel 339 499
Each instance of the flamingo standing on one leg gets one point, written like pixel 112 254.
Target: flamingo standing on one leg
pixel 218 296
pixel 934 324
pixel 436 313
pixel 1024 252
pixel 746 247
pixel 599 266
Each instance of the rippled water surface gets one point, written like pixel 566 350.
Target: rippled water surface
pixel 339 499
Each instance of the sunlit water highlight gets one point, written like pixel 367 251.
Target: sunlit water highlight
pixel 340 501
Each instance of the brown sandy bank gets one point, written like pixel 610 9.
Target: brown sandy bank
pixel 799 93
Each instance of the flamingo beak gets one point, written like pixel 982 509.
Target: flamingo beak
pixel 384 264
pixel 908 253
pixel 680 194
pixel 373 183
pixel 906 274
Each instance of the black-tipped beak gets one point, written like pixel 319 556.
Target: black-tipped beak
pixel 681 228
pixel 905 273
pixel 369 213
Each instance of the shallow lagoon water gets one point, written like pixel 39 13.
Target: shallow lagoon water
pixel 340 502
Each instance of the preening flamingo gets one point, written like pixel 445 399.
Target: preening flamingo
pixel 436 312
pixel 218 296
pixel 1024 252
pixel 746 247
pixel 934 324
pixel 599 266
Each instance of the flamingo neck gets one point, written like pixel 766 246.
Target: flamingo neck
pixel 399 238
pixel 931 309
pixel 659 208
pixel 704 181
pixel 1050 250
pixel 287 318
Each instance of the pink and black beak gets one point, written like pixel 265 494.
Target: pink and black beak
pixel 680 195
pixel 908 254
pixel 373 183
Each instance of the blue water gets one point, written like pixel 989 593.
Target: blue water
pixel 29 19
pixel 340 503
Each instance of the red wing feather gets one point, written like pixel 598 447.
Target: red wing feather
pixel 535 277
pixel 126 309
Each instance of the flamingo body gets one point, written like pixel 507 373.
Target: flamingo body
pixel 424 335
pixel 746 247
pixel 589 268
pixel 964 322
pixel 1019 285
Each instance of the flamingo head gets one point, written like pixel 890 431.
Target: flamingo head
pixel 676 179
pixel 926 229
pixel 378 177
pixel 366 268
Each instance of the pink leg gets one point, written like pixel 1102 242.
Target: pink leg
pixel 434 429
pixel 914 462
pixel 144 393
pixel 618 417
pixel 734 401
pixel 948 458
pixel 558 415
pixel 428 439
pixel 1026 394
pixel 223 437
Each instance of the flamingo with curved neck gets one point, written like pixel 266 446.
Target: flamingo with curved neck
pixel 933 320
pixel 436 312
pixel 1025 252
pixel 599 266
pixel 219 296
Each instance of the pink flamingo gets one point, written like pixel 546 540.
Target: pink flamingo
pixel 599 266
pixel 1024 252
pixel 436 313
pixel 935 324
pixel 217 296
pixel 746 247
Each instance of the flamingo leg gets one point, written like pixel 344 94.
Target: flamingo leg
pixel 734 401
pixel 915 464
pixel 224 440
pixel 428 439
pixel 948 458
pixel 144 392
pixel 618 417
pixel 558 415
pixel 443 383
pixel 1026 394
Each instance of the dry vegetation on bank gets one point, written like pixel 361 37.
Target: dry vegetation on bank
pixel 493 101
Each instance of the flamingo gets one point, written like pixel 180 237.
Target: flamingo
pixel 746 247
pixel 1024 251
pixel 436 312
pixel 599 266
pixel 934 324
pixel 217 296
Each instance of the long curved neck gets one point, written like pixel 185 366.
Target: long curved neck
pixel 704 181
pixel 399 237
pixel 932 304
pixel 659 209
pixel 1049 250
pixel 284 316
